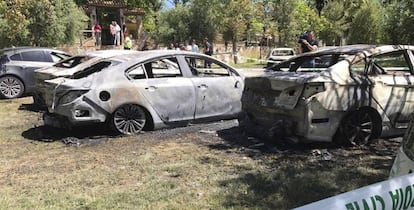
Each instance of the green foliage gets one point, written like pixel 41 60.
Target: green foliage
pixel 174 26
pixel 13 25
pixel 399 22
pixel 72 23
pixel 196 20
pixel 234 23
pixel 40 22
pixel 367 26
pixel 335 14
pixel 205 19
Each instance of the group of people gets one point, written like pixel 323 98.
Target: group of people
pixel 207 49
pixel 115 31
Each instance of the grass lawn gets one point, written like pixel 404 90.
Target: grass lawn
pixel 182 170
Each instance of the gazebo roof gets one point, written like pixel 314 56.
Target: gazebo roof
pixel 107 3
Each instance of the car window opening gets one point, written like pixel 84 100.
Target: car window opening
pixel 93 69
pixel 206 68
pixel 167 67
pixel 72 62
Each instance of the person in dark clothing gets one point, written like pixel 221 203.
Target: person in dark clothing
pixel 208 50
pixel 308 43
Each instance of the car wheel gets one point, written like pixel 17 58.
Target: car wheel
pixel 129 119
pixel 359 128
pixel 11 87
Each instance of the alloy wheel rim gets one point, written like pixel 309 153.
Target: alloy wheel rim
pixel 129 119
pixel 10 87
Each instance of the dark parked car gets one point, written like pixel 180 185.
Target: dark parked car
pixel 17 67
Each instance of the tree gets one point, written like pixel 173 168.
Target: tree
pixel 234 24
pixel 367 26
pixel 13 24
pixel 337 23
pixel 174 25
pixel 40 22
pixel 399 22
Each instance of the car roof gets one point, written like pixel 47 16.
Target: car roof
pixel 282 48
pixel 144 55
pixel 24 48
pixel 355 49
pixel 107 53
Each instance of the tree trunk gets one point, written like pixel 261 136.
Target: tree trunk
pixel 235 58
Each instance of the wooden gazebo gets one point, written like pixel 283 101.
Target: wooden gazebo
pixel 105 11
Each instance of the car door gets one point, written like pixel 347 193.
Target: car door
pixel 394 85
pixel 24 63
pixel 218 88
pixel 170 94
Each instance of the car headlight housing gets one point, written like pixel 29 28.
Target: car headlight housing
pixel 71 96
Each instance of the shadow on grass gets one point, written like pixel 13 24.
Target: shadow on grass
pixel 291 175
pixel 78 135
pixel 235 136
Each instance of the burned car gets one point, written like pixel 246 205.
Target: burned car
pixel 74 67
pixel 350 94
pixel 152 89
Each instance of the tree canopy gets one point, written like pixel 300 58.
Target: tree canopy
pixel 40 22
pixel 55 22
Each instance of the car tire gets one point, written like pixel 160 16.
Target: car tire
pixel 359 128
pixel 11 87
pixel 128 119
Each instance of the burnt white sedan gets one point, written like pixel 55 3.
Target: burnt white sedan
pixel 348 95
pixel 145 90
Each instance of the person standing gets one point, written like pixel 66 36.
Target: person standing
pixel 112 30
pixel 309 43
pixel 97 29
pixel 128 42
pixel 117 34
pixel 208 50
pixel 194 48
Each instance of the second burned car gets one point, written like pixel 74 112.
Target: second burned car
pixel 151 89
pixel 349 94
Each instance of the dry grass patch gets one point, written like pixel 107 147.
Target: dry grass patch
pixel 178 170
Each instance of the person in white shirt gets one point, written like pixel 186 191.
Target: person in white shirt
pixel 194 48
pixel 118 34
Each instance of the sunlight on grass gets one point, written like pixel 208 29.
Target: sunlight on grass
pixel 176 172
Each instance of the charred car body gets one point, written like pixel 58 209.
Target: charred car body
pixel 76 67
pixel 349 94
pixel 150 89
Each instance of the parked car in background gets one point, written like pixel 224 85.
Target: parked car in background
pixel 17 67
pixel 278 55
pixel 349 94
pixel 76 66
pixel 151 89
